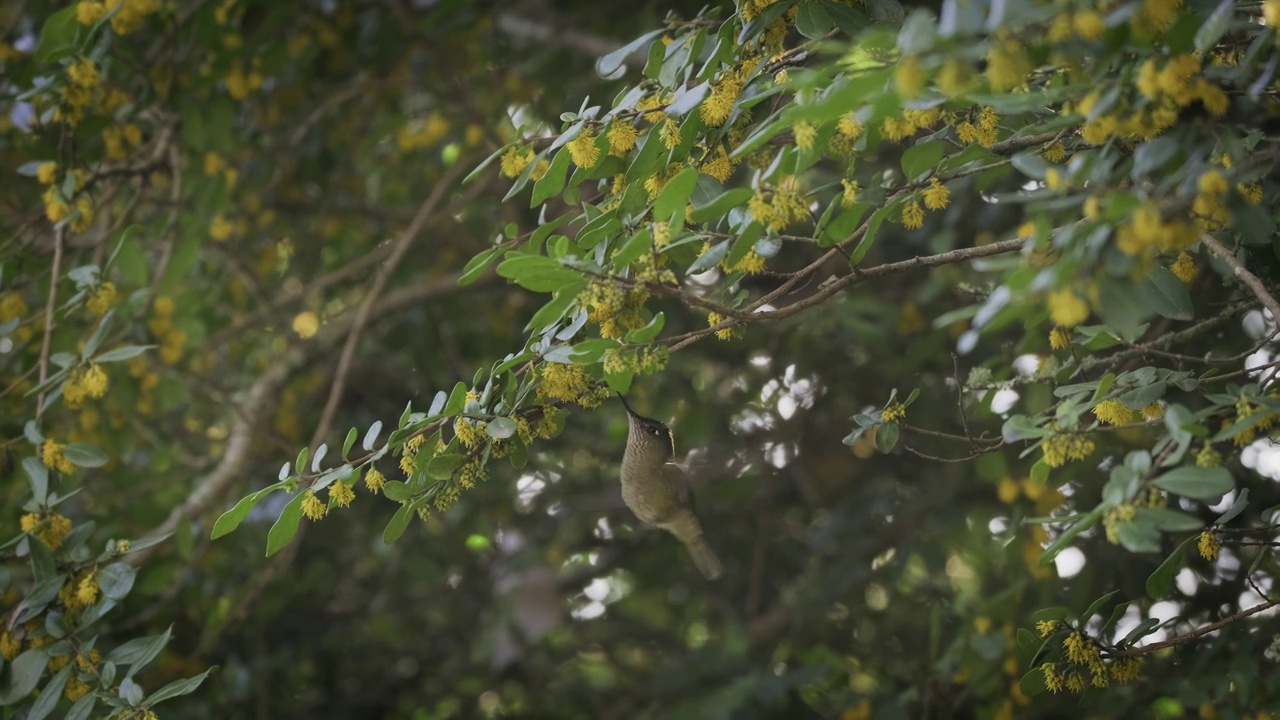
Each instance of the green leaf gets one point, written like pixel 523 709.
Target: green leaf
pixel 536 272
pixel 887 436
pixel 839 229
pixel 85 455
pixel 442 467
pixel 1032 683
pixel 58 36
pixel 1096 606
pixel 349 441
pixel 922 158
pixel 1138 535
pixel 675 194
pixel 1067 536
pixel 813 21
pixel 25 670
pixel 1171 520
pixel 38 476
pixel 116 580
pixel 609 64
pixel 371 436
pixel 869 237
pixel 457 400
pixel 1167 295
pixel 619 382
pixel 632 249
pixel 648 332
pixel 139 651
pixel 398 524
pixel 1197 483
pixel 1237 507
pixel 552 182
pixel 1153 155
pixel 122 353
pixel 721 204
pixel 477 265
pixel 1213 28
pixel 708 259
pixel 232 518
pixel 178 688
pixel 95 340
pixel 1160 582
pixel 475 172
pixel 50 694
pixel 285 526
pixel 501 428
pixel 83 708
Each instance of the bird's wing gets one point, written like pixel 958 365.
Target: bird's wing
pixel 678 478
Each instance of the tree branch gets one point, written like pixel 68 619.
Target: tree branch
pixel 1250 280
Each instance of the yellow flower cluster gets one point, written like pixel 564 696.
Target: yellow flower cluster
pixel 52 457
pixel 1066 308
pixel 896 129
pixel 908 77
pixel 1156 16
pixel 1147 233
pixel 717 164
pixel 102 298
pixel 804 133
pixel 341 494
pixel 1060 448
pixel 1059 338
pixel 10 645
pixel 79 592
pixel 1055 153
pixel 128 17
pixel 90 382
pixel 1045 628
pixel 780 206
pixel 374 479
pixel 313 507
pixel 717 106
pixel 1211 188
pixel 912 216
pixel 650 105
pixel 583 150
pixel 49 527
pixel 1086 25
pixel 422 133
pixel 1208 546
pixel 172 338
pixel 1114 412
pixel 1208 457
pixel 895 411
pixel 655 182
pixel 515 160
pixel 615 309
pixel 567 384
pixel 646 360
pixel 984 130
pixel 117 139
pixel 936 196
pixel 727 333
pixel 471 472
pixel 471 433
pixel 1184 267
pixel 849 192
pixel 1007 63
pixel 954 78
pixel 622 137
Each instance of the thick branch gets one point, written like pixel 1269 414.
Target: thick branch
pixel 1250 280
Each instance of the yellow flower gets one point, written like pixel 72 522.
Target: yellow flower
pixel 341 494
pixel 220 228
pixel 471 433
pixel 1153 411
pixel 849 193
pixel 83 73
pixel 47 173
pixel 909 77
pixel 622 138
pixel 894 411
pixel 569 384
pixel 1212 182
pixel 1208 546
pixel 717 106
pixel 849 126
pixel 804 133
pixel 52 457
pixel 717 164
pixel 714 319
pixel 583 150
pixel 306 324
pixel 670 134
pixel 89 12
pixel 1055 153
pixel 1007 64
pixel 87 589
pixel 1066 308
pixel 515 160
pixel 12 306
pixel 912 216
pixel 94 381
pixel 373 479
pixel 751 263
pixel 1059 338
pixel 213 163
pixel 1045 628
pixel 1060 448
pixel 1114 412
pixel 312 506
pixel 953 78
pixel 101 299
pixel 1008 490
pixel 1088 24
pixel 50 527
pixel 936 196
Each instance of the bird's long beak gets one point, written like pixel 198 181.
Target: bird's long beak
pixel 627 406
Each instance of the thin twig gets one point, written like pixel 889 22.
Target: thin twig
pixel 1198 632
pixel 59 237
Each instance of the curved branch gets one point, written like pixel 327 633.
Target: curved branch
pixel 1198 632
pixel 1251 281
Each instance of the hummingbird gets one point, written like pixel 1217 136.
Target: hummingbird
pixel 657 490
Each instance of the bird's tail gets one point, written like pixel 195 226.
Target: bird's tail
pixel 688 531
